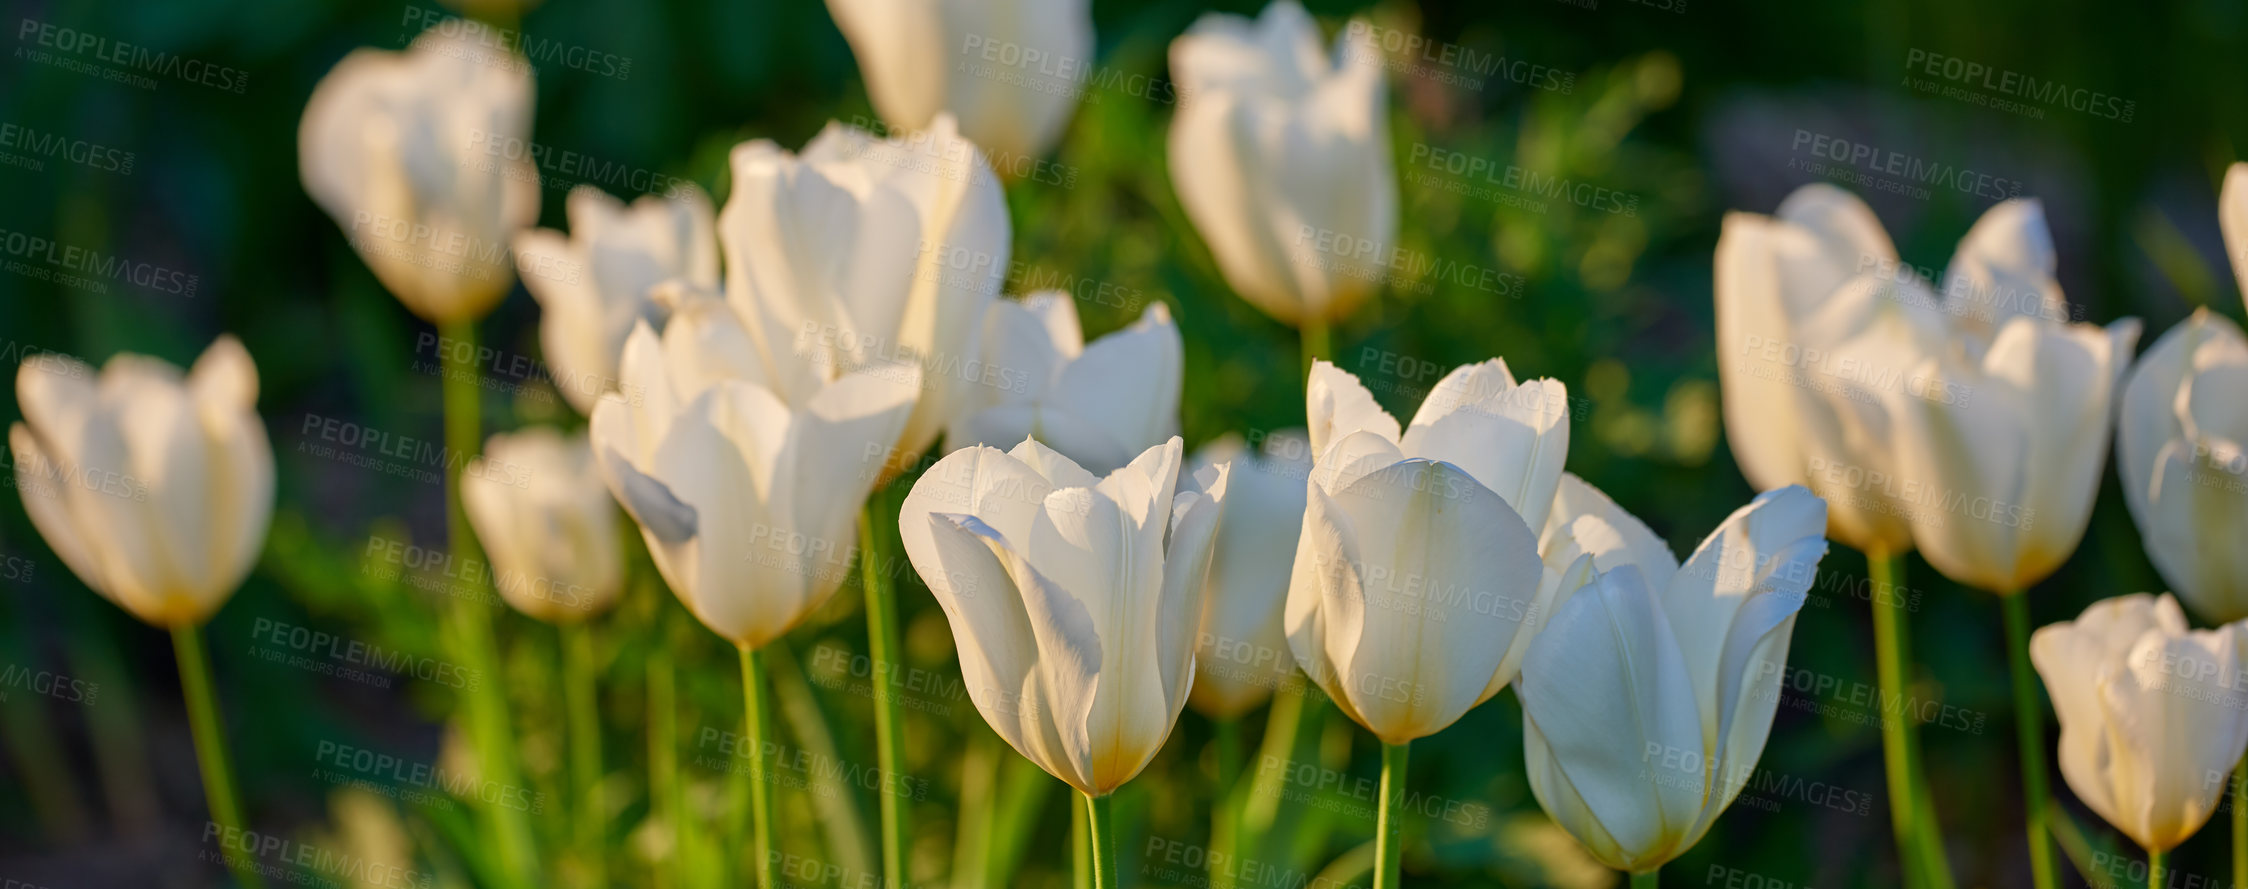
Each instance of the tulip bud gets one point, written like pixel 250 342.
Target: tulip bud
pixel 593 284
pixel 1648 696
pixel 1280 156
pixel 1098 404
pixel 423 157
pixel 547 524
pixel 2180 450
pixel 1417 572
pixel 2153 715
pixel 155 490
pixel 1072 598
pixel 1999 485
pixel 1011 70
pixel 1242 653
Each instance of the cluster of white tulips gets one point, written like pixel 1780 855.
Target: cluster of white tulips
pixel 1970 419
pixel 754 374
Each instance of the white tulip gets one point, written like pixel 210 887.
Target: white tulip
pixel 1816 319
pixel 1241 652
pixel 866 252
pixel 1418 568
pixel 1072 598
pixel 2182 450
pixel 1648 695
pixel 593 284
pixel 1100 404
pixel 422 157
pixel 746 493
pixel 155 489
pixel 1998 483
pixel 547 524
pixel 2153 715
pixel 1010 70
pixel 1280 156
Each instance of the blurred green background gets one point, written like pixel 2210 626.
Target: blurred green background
pixel 1691 108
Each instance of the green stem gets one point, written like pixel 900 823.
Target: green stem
pixel 1081 843
pixel 1316 342
pixel 883 647
pixel 1100 828
pixel 1919 838
pixel 1388 850
pixel 1229 752
pixel 210 747
pixel 1294 714
pixel 2240 823
pixel 2029 724
pixel 755 734
pixel 663 756
pixel 580 699
pixel 1646 880
pixel 2155 864
pixel 509 826
pixel 1225 831
pixel 979 811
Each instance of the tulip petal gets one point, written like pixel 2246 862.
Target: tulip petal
pixel 41 481
pixel 1512 440
pixel 1338 404
pixel 1441 568
pixel 1643 776
pixel 1132 376
pixel 2232 219
pixel 1071 668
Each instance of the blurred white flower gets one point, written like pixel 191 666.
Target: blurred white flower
pixel 1072 597
pixel 1010 70
pixel 1100 404
pixel 1815 318
pixel 1648 695
pixel 593 283
pixel 2182 450
pixel 866 252
pixel 1241 653
pixel 1998 482
pixel 423 158
pixel 2153 715
pixel 1280 156
pixel 155 489
pixel 547 524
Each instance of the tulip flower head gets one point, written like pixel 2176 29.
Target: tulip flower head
pixel 422 157
pixel 1072 597
pixel 746 491
pixel 1814 322
pixel 2001 434
pixel 1649 693
pixel 864 252
pixel 1241 653
pixel 547 524
pixel 594 283
pixel 156 489
pixel 1418 568
pixel 1100 404
pixel 1280 156
pixel 2153 715
pixel 2182 451
pixel 1010 70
